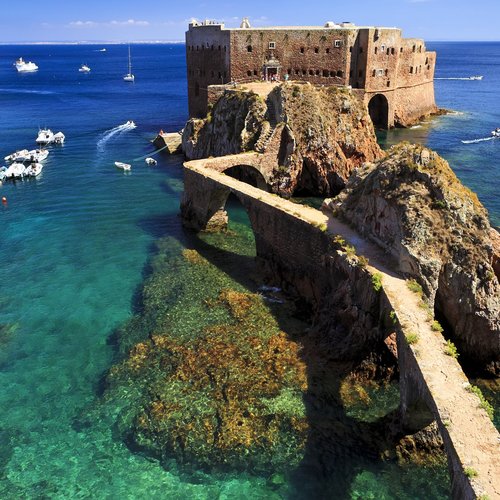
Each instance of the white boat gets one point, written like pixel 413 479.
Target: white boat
pixel 46 136
pixel 129 77
pixel 15 171
pixel 59 138
pixel 102 50
pixel 123 166
pixel 25 67
pixel 496 132
pixel 17 155
pixel 36 155
pixel 33 170
pixel 84 69
pixel 476 77
pixel 130 123
pixel 2 173
pixel 150 161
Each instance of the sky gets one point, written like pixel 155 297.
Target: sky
pixel 167 20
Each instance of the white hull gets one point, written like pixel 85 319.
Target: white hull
pixel 34 170
pixel 25 67
pixel 46 136
pixel 84 69
pixel 150 161
pixel 122 166
pixel 17 155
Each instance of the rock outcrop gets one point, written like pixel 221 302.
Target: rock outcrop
pixel 414 207
pixel 314 136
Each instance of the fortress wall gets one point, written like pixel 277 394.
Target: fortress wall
pixel 411 103
pixel 208 60
pixel 299 52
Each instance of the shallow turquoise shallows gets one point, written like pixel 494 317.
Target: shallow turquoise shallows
pixel 74 247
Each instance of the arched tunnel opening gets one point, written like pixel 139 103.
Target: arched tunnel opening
pixel 249 175
pixel 378 107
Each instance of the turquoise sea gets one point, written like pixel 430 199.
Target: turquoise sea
pixel 77 243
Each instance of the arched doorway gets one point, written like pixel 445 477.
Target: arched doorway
pixel 248 174
pixel 378 107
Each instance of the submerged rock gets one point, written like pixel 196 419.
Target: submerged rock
pixel 437 232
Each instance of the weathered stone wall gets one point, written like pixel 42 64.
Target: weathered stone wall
pixel 208 61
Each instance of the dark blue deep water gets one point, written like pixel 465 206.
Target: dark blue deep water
pixel 75 243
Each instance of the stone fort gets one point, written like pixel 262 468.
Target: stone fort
pixel 393 75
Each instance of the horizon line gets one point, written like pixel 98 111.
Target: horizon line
pixel 151 42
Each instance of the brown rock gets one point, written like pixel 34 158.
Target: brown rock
pixel 436 230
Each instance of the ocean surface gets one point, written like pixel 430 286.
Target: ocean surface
pixel 76 243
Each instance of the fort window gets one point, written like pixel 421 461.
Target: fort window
pixel 426 60
pixel 255 72
pixel 386 72
pixel 272 45
pixel 376 50
pixel 429 66
pixel 401 50
pixel 289 71
pixel 332 73
pixel 388 52
pixel 338 43
pixel 340 73
pixel 388 83
pixel 326 73
pixel 197 47
pixel 327 51
pixel 304 72
pixel 297 71
pixel 249 73
pixel 420 48
pixel 318 72
pixel 350 48
pixel 316 50
pixel 220 47
pixel 414 48
pixel 374 73
pixel 301 50
pixel 392 51
pixel 311 72
pixel 411 69
pixel 249 48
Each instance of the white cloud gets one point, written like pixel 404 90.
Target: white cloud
pixel 91 24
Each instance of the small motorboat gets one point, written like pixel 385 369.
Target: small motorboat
pixel 496 132
pixel 130 123
pixel 476 77
pixel 36 156
pixel 33 170
pixel 25 67
pixel 45 136
pixel 17 155
pixel 84 69
pixel 151 162
pixel 15 171
pixel 123 166
pixel 59 138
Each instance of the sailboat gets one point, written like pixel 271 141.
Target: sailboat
pixel 129 77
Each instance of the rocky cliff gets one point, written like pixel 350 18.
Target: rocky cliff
pixel 315 136
pixel 413 206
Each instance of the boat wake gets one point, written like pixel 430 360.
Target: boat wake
pixel 474 141
pixel 106 136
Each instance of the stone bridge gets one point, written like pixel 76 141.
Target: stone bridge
pixel 304 249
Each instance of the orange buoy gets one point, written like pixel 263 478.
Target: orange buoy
pixel 4 200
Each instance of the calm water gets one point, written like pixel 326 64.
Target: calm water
pixel 75 245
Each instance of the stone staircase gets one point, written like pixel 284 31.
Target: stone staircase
pixel 268 128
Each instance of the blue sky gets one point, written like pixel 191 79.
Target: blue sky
pixel 129 20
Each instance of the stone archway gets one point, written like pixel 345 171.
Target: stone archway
pixel 378 107
pixel 248 174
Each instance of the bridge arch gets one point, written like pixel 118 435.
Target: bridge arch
pixel 248 174
pixel 378 107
